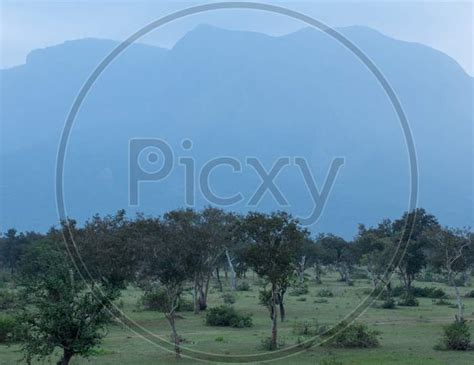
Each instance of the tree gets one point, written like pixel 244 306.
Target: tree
pixel 60 311
pixel 274 243
pixel 410 233
pixel 340 254
pixel 169 259
pixel 13 245
pixel 448 252
pixel 214 228
pixel 375 250
pixel 107 246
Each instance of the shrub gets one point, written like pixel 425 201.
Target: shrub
pixel 266 344
pixel 227 316
pixel 300 290
pixel 470 294
pixel 408 300
pixel 457 336
pixel 243 286
pixel 388 303
pixel 8 328
pixel 156 299
pixel 426 292
pixel 228 298
pixel 442 302
pixel 356 335
pixel 8 299
pixel 359 274
pixel 325 293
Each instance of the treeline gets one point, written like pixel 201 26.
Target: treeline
pixel 188 247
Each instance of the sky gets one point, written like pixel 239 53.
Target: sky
pixel 28 25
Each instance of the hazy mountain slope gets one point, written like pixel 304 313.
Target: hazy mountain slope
pixel 240 94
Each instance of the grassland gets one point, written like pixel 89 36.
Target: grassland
pixel 408 334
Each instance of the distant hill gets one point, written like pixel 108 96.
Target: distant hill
pixel 240 94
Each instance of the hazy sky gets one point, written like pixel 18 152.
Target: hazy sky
pixel 26 25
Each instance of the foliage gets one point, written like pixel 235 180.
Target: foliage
pixel 268 344
pixel 228 298
pixel 300 290
pixel 388 303
pixel 59 310
pixel 470 294
pixel 8 299
pixel 356 335
pixel 243 286
pixel 157 299
pixel 325 293
pixel 227 316
pixel 408 300
pixel 442 301
pixel 8 328
pixel 457 336
pixel 425 292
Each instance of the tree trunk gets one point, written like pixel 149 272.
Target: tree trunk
pixel 452 282
pixel 282 307
pixel 174 334
pixel 317 274
pixel 195 297
pixel 342 272
pixel 203 289
pixel 233 281
pixel 274 320
pixel 218 277
pixel 302 266
pixel 66 358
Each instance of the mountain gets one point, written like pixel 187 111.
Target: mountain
pixel 240 94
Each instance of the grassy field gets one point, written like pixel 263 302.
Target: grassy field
pixel 408 334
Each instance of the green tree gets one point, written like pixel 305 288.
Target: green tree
pixel 409 234
pixel 274 243
pixel 60 310
pixel 449 252
pixel 170 258
pixel 339 254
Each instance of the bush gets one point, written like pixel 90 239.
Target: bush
pixel 388 303
pixel 457 336
pixel 228 298
pixel 442 302
pixel 8 299
pixel 226 316
pixel 300 290
pixel 426 292
pixel 243 286
pixel 325 293
pixel 266 344
pixel 408 300
pixel 356 335
pixel 156 299
pixel 470 294
pixel 359 274
pixel 8 328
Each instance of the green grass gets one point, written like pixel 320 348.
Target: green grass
pixel 408 333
